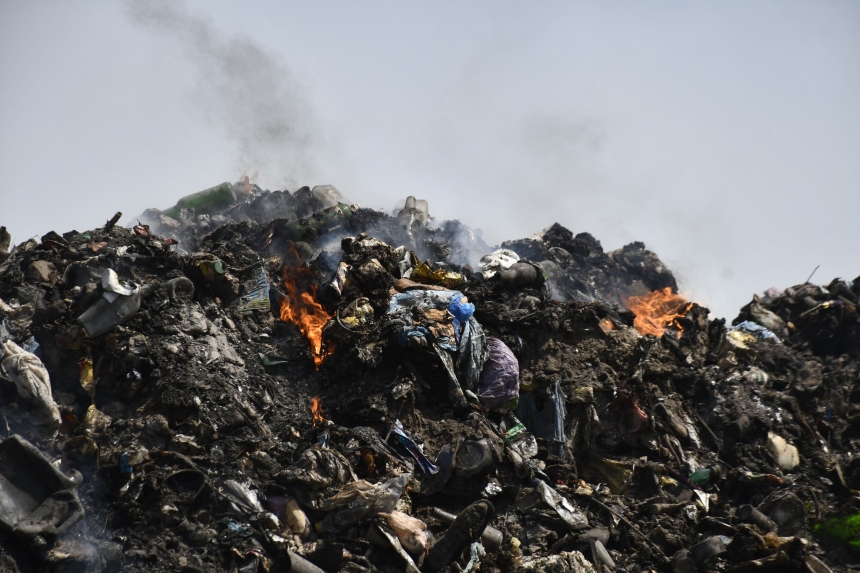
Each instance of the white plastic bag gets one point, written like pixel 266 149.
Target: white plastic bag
pixel 31 378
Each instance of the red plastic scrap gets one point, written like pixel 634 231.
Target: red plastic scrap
pixel 631 418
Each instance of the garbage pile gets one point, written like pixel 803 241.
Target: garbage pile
pixel 300 216
pixel 274 382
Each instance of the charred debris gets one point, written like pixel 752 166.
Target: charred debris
pixel 258 381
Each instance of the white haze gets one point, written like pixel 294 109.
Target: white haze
pixel 723 135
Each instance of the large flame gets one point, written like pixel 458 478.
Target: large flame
pixel 658 311
pixel 301 308
pixel 316 410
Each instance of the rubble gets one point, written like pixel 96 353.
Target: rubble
pixel 256 381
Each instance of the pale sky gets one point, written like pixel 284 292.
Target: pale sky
pixel 724 135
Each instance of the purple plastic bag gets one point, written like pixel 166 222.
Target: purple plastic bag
pixel 500 379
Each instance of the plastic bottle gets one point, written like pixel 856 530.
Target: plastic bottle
pixel 491 537
pixel 328 195
pixel 205 201
pixel 749 514
pixel 308 228
pixel 706 476
pixel 414 215
pixel 474 457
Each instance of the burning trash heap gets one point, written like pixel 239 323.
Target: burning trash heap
pixel 270 382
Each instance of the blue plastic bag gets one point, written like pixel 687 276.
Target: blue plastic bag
pixel 757 330
pixel 473 352
pixel 547 423
pixel 461 310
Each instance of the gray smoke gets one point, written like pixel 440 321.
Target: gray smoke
pixel 243 90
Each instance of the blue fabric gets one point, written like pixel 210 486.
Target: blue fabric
pixel 422 299
pixel 412 332
pixel 756 330
pixel 469 342
pixel 401 306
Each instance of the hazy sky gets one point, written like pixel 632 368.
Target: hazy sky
pixel 724 135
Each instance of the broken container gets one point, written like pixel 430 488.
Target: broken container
pixel 36 499
pixel 118 304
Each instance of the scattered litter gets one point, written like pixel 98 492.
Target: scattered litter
pixel 260 380
pixel 785 454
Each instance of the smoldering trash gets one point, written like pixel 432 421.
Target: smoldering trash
pixel 255 381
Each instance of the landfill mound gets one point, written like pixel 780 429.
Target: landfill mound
pixel 269 382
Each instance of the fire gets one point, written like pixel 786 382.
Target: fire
pixel 301 308
pixel 658 311
pixel 316 410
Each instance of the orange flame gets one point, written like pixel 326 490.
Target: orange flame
pixel 316 410
pixel 658 311
pixel 301 308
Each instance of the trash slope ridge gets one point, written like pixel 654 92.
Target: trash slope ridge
pixel 284 381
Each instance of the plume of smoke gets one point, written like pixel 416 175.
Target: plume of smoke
pixel 244 90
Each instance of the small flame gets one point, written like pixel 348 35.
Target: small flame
pixel 658 311
pixel 316 410
pixel 301 308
